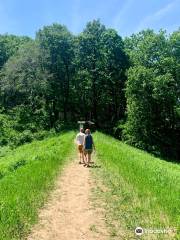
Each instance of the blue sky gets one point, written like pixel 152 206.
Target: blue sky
pixel 25 17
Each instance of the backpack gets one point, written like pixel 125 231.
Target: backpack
pixel 88 142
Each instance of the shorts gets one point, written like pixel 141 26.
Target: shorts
pixel 80 148
pixel 88 151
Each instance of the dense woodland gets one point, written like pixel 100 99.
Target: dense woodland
pixel 129 87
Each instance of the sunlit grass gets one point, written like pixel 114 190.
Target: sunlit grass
pixel 142 190
pixel 28 174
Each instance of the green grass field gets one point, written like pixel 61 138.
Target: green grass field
pixel 133 187
pixel 27 175
pixel 138 189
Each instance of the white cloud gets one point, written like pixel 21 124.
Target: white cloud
pixel 158 15
pixel 117 22
pixel 81 14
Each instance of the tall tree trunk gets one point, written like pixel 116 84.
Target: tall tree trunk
pixel 66 92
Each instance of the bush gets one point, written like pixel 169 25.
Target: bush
pixel 118 129
pixel 25 137
pixel 42 134
pixel 6 129
pixel 62 126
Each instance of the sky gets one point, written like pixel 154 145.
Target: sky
pixel 26 17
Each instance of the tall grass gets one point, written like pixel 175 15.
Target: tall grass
pixel 143 190
pixel 27 175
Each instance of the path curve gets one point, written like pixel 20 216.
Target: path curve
pixel 69 213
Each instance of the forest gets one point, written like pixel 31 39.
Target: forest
pixel 130 87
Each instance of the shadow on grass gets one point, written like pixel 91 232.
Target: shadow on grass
pixel 95 166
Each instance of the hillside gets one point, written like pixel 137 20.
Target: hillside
pixel 125 188
pixel 141 190
pixel 27 175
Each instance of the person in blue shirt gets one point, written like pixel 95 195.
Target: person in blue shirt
pixel 88 146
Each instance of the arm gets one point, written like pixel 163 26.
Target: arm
pixel 84 141
pixel 93 144
pixel 76 139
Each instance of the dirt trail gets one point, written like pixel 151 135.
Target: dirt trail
pixel 69 213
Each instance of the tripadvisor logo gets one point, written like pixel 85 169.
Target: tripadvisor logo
pixel 139 231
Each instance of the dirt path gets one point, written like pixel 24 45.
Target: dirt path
pixel 69 214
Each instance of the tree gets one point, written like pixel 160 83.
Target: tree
pixel 9 45
pixel 131 86
pixel 24 85
pixel 147 48
pixel 102 63
pixel 56 44
pixel 90 61
pixel 152 93
pixel 115 64
pixel 174 42
pixel 138 128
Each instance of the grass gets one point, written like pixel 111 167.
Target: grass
pixel 135 188
pixel 27 175
pixel 4 150
pixel 141 190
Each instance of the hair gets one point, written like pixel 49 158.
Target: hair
pixel 88 131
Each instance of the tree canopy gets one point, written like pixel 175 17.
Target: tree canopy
pixel 129 87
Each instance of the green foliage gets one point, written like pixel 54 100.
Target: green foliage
pixel 22 81
pixel 147 48
pixel 101 64
pixel 6 129
pixel 59 78
pixel 89 59
pixel 56 44
pixel 138 92
pixel 14 134
pixel 9 45
pixel 152 94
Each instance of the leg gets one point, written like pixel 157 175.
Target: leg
pixel 79 157
pixel 89 159
pixel 85 157
pixel 82 157
pixel 80 150
pixel 79 153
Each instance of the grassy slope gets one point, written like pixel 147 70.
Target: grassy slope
pixel 27 174
pixel 142 190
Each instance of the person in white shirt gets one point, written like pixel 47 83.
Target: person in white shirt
pixel 80 141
